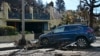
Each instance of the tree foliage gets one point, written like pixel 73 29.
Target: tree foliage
pixel 60 5
pixel 83 12
pixel 51 4
pixel 69 17
pixel 40 2
pixel 40 6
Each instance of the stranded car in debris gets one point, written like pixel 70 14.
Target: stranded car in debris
pixel 82 34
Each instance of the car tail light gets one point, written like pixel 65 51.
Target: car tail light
pixel 90 30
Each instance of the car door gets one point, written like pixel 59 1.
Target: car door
pixel 69 33
pixel 66 34
pixel 57 33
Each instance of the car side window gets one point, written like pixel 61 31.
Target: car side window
pixel 58 30
pixel 72 28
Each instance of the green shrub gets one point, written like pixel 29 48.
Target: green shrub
pixel 1 31
pixel 27 32
pixel 8 30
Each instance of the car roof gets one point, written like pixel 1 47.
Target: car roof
pixel 73 25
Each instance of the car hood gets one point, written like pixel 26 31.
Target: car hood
pixel 43 35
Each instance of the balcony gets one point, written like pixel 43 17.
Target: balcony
pixel 41 16
pixel 36 16
pixel 14 16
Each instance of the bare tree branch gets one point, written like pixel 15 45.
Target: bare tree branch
pixel 97 1
pixel 96 15
pixel 96 5
pixel 90 1
pixel 91 4
pixel 87 3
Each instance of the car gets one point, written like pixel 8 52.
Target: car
pixel 83 35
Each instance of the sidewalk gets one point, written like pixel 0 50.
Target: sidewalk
pixel 5 45
pixel 98 38
pixel 7 52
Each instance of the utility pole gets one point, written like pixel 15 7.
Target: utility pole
pixel 23 18
pixel 22 41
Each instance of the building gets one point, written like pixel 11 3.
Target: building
pixel 39 23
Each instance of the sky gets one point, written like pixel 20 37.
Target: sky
pixel 69 4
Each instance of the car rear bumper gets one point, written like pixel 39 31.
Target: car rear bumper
pixel 92 39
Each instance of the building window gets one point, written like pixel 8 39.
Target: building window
pixel 45 26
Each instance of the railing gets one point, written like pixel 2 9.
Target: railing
pixel 38 16
pixel 42 16
pixel 14 16
pixel 28 16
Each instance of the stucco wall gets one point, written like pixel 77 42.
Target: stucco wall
pixel 15 37
pixel 1 14
pixel 2 23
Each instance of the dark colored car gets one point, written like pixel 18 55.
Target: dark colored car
pixel 82 34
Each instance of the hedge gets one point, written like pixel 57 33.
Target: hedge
pixel 7 30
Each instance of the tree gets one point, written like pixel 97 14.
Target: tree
pixel 34 4
pixel 92 4
pixel 51 4
pixel 83 13
pixel 60 5
pixel 40 6
pixel 40 2
pixel 69 17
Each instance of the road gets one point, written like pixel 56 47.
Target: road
pixel 92 51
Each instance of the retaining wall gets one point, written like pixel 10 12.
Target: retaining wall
pixel 16 37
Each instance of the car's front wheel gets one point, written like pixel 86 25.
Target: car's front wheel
pixel 44 41
pixel 82 43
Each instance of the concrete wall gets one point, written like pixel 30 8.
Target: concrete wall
pixel 15 37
